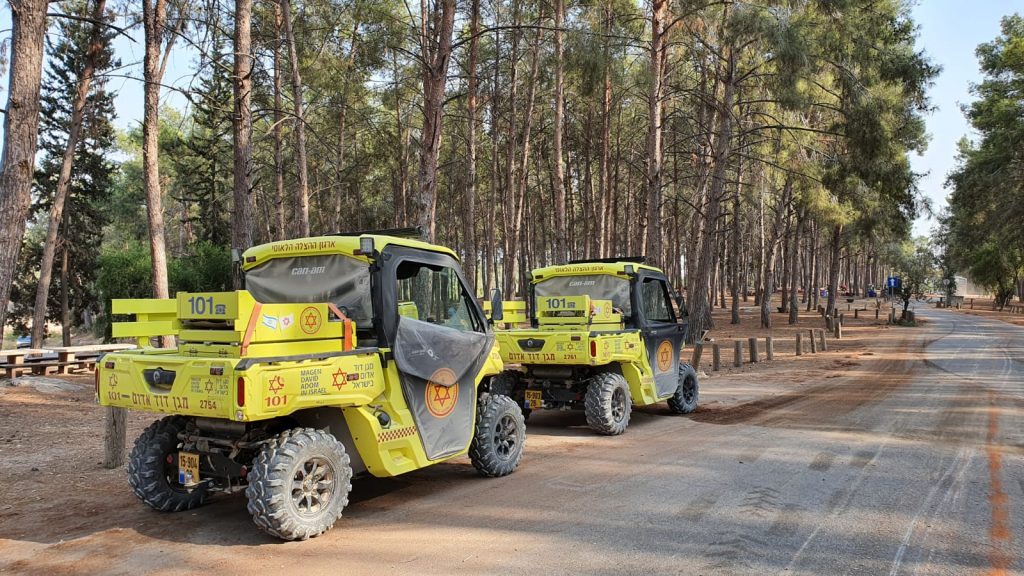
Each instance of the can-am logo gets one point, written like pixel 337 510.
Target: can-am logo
pixel 574 283
pixel 309 270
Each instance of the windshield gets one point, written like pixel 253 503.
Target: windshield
pixel 597 286
pixel 334 278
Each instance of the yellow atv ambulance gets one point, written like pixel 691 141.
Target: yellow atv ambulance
pixel 603 337
pixel 345 355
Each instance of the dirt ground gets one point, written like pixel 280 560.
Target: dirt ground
pixel 54 492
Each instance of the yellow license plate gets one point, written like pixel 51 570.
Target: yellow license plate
pixel 188 469
pixel 535 398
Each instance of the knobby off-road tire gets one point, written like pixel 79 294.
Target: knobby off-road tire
pixel 499 436
pixel 299 484
pixel 608 404
pixel 152 478
pixel 509 383
pixel 684 400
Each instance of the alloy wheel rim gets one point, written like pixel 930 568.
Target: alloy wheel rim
pixel 313 486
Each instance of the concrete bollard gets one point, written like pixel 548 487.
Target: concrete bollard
pixel 738 354
pixel 769 348
pixel 814 344
pixel 698 351
pixel 755 354
pixel 824 344
pixel 716 357
pixel 799 344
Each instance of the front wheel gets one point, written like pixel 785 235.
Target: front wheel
pixel 152 472
pixel 608 404
pixel 684 400
pixel 499 437
pixel 299 484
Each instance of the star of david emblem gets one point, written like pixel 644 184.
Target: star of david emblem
pixel 112 381
pixel 310 320
pixel 209 385
pixel 442 399
pixel 276 384
pixel 340 379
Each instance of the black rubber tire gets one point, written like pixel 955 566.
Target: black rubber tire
pixel 151 477
pixel 608 403
pixel 499 437
pixel 276 469
pixel 684 400
pixel 509 383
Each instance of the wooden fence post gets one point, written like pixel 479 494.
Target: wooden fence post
pixel 738 354
pixel 876 313
pixel 837 332
pixel 755 355
pixel 716 357
pixel 799 344
pixel 814 344
pixel 769 348
pixel 114 437
pixel 856 314
pixel 824 344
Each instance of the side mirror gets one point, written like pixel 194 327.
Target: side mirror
pixel 497 314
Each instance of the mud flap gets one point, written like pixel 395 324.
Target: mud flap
pixel 438 367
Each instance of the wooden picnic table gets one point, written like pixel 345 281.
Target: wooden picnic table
pixel 71 357
pixel 13 361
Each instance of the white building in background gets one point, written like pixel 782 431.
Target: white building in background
pixel 964 287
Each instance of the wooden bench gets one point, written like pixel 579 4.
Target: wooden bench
pixel 12 362
pixel 70 358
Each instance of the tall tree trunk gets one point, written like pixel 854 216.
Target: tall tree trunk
pixel 794 276
pixel 338 218
pixel 301 221
pixel 700 311
pixel 655 153
pixel 21 136
pixel 436 27
pixel 833 270
pixel 65 300
pixel 734 251
pixel 278 132
pixel 558 173
pixel 154 18
pixel 60 195
pixel 241 121
pixel 471 184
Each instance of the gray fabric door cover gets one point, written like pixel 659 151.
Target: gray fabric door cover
pixel 663 352
pixel 438 367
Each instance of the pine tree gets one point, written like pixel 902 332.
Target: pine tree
pixel 81 229
pixel 203 159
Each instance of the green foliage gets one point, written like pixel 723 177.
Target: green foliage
pixel 85 209
pixel 981 231
pixel 915 264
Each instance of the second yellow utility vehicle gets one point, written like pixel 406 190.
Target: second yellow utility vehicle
pixel 604 336
pixel 345 355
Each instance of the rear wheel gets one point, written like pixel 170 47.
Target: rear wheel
pixel 152 469
pixel 684 400
pixel 499 437
pixel 608 404
pixel 299 484
pixel 509 383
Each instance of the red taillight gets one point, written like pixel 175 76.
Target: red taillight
pixel 593 348
pixel 241 391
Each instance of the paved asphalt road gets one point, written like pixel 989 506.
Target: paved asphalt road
pixel 905 462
